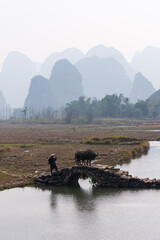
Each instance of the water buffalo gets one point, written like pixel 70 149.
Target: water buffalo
pixel 83 156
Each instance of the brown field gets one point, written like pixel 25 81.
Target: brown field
pixel 25 147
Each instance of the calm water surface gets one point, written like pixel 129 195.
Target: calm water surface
pixel 146 166
pixel 64 213
pixel 68 213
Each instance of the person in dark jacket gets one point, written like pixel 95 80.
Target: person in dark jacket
pixel 52 161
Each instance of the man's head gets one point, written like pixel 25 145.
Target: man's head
pixel 53 155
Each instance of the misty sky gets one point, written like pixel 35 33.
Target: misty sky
pixel 40 27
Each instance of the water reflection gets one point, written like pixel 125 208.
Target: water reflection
pixel 72 213
pixel 82 199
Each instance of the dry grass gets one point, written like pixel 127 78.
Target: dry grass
pixel 24 148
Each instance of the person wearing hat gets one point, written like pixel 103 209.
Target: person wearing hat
pixel 52 161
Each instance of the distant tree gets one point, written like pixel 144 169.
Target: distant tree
pixel 89 116
pixel 110 106
pixel 25 109
pixel 143 107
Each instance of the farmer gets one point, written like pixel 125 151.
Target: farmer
pixel 52 162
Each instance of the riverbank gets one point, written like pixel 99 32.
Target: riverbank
pixel 24 148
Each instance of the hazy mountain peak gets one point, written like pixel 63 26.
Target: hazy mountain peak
pixel 73 50
pixel 147 62
pixel 141 88
pixel 40 95
pixel 103 51
pixel 106 52
pixel 62 63
pixel 66 82
pixel 98 50
pixel 13 54
pixel 17 70
pixel 103 76
pixel 72 54
pixel 151 48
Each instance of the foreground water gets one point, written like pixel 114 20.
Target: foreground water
pixel 146 166
pixel 65 213
pixel 68 213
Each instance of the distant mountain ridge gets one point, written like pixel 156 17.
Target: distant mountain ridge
pixel 102 70
pixel 110 52
pixel 40 95
pixel 148 63
pixel 63 86
pixel 73 55
pixel 15 76
pixel 141 88
pixel 66 82
pixel 103 76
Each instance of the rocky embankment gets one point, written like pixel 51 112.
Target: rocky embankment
pixel 102 175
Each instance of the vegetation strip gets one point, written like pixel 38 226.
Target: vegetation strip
pixel 136 152
pixel 112 140
pixel 142 146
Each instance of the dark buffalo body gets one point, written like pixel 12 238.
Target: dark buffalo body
pixel 85 157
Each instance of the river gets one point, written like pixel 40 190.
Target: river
pixel 68 213
pixel 146 166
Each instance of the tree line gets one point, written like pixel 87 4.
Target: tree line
pixel 111 106
pixel 83 110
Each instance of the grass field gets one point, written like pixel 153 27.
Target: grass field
pixel 25 147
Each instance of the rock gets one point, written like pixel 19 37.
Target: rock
pixel 103 177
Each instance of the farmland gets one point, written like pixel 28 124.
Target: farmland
pixel 25 147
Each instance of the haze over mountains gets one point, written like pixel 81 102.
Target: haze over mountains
pixel 3 103
pixel 15 77
pixel 110 52
pixel 63 86
pixel 40 95
pixel 99 72
pixel 103 76
pixel 148 63
pixel 72 54
pixel 66 82
pixel 141 88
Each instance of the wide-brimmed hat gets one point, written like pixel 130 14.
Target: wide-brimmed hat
pixel 53 155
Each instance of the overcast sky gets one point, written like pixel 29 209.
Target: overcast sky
pixel 40 27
